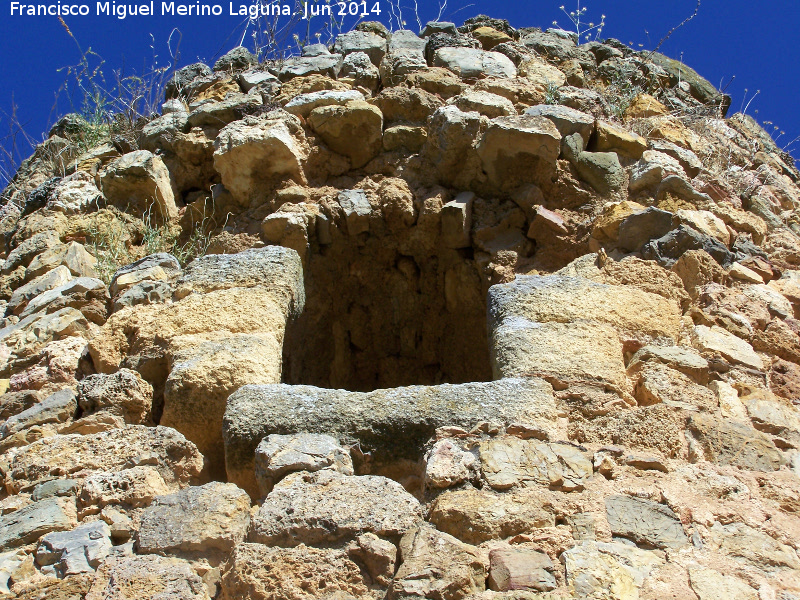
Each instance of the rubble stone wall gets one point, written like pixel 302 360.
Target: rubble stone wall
pixel 474 313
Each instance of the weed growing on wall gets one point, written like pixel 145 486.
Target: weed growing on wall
pixel 585 30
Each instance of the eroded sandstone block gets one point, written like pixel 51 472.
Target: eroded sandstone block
pixel 327 507
pixel 176 459
pixel 278 455
pixel 450 146
pixel 486 103
pixel 519 149
pixel 709 584
pixel 729 442
pixel 645 522
pixel 209 519
pixel 259 151
pixel 509 461
pixel 303 104
pixel 520 570
pixel 139 182
pixel 613 571
pixel 135 487
pixel 124 393
pixel 201 377
pixel 547 326
pixel 354 130
pixel 261 572
pixel 119 578
pixel 273 267
pixel 561 353
pixel 436 564
pixel 74 256
pixel 544 299
pixel 475 516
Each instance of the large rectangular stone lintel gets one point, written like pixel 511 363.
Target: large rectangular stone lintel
pixel 393 423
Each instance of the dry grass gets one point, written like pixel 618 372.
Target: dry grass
pixel 113 246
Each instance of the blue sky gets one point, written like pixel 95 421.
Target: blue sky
pixel 754 41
